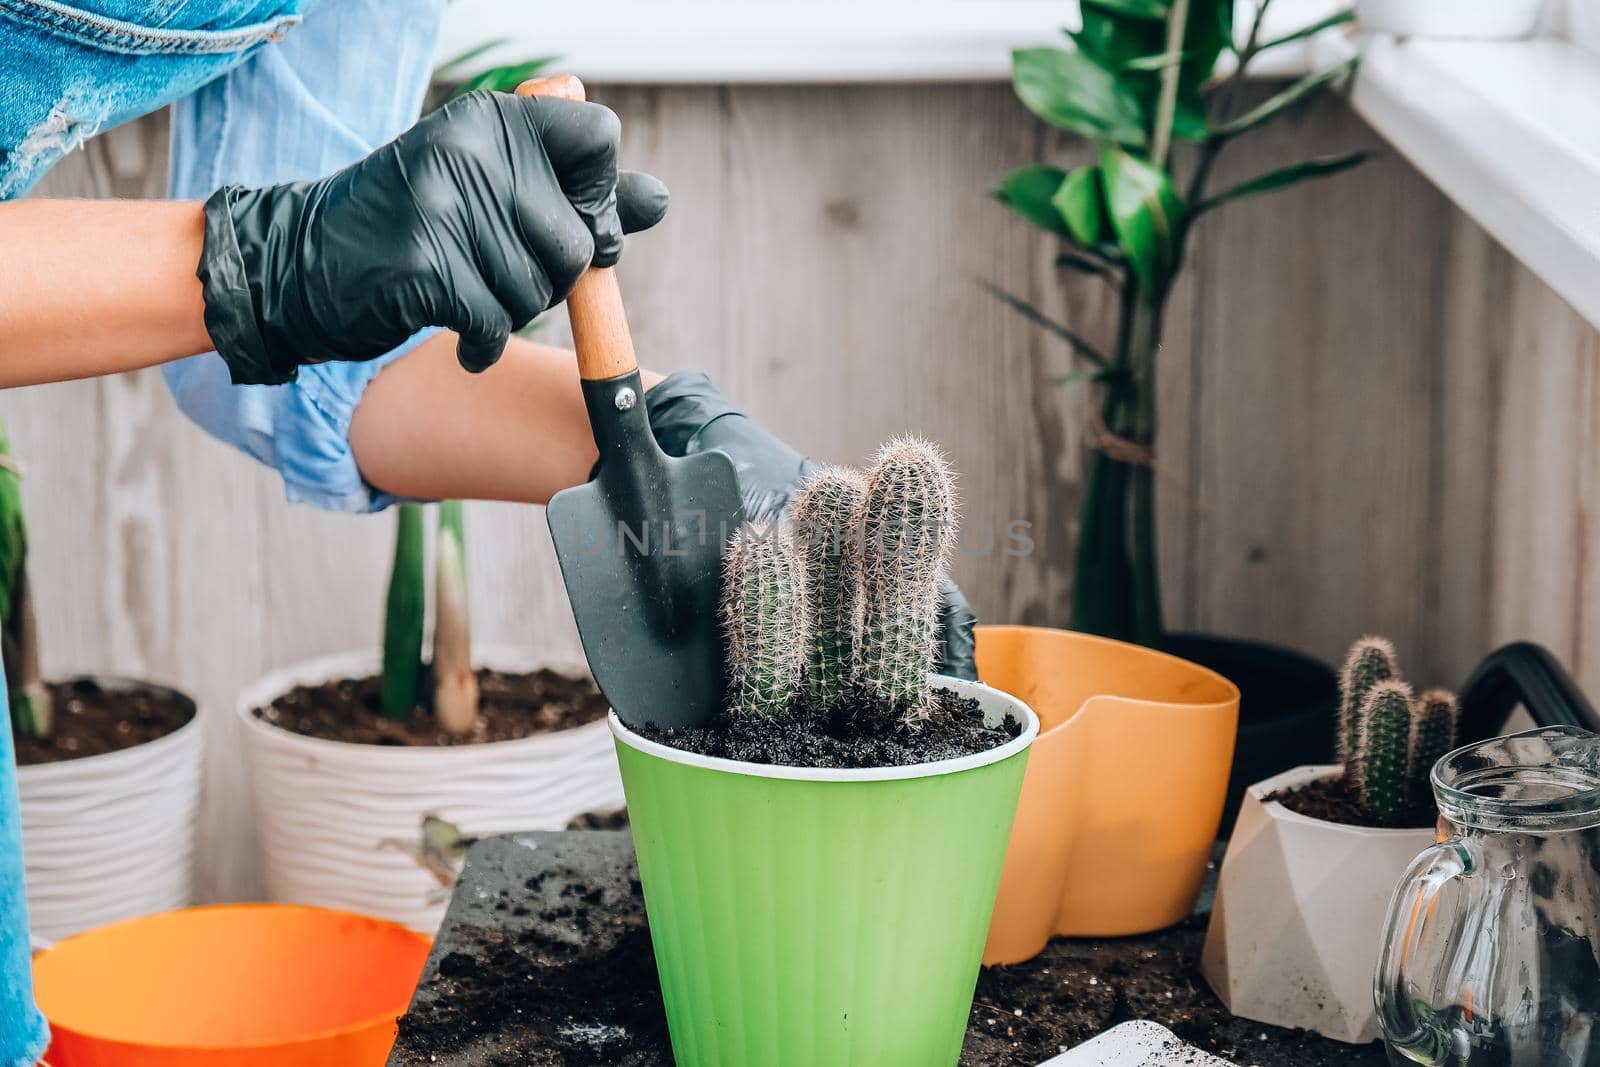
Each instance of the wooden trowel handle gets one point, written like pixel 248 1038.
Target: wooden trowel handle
pixel 599 325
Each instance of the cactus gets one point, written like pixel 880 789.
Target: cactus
pixel 824 518
pixel 765 621
pixel 1381 769
pixel 907 523
pixel 1433 733
pixel 1371 660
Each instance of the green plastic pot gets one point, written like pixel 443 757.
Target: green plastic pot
pixel 807 917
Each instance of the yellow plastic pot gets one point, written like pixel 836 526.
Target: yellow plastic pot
pixel 1123 792
pixel 245 985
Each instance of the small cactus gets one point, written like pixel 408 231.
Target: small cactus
pixel 907 523
pixel 824 517
pixel 1433 734
pixel 1381 770
pixel 1371 660
pixel 1389 739
pixel 765 620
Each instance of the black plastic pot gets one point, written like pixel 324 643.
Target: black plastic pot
pixel 1522 674
pixel 1288 705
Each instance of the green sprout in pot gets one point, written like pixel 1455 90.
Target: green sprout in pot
pixel 1394 737
pixel 1140 77
pixel 19 632
pixel 454 695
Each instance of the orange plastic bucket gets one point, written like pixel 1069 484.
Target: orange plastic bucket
pixel 257 985
pixel 1124 788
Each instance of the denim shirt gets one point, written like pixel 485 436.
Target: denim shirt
pixel 255 104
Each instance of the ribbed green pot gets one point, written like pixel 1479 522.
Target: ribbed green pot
pixel 821 918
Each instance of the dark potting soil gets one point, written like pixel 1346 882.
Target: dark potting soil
pixel 545 960
pixel 859 732
pixel 1336 800
pixel 91 720
pixel 509 706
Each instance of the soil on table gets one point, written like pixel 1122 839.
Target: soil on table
pixel 510 706
pixel 1336 800
pixel 91 720
pixel 859 732
pixel 567 978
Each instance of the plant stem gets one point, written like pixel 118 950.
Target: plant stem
pixel 28 689
pixel 1171 74
pixel 402 623
pixel 455 684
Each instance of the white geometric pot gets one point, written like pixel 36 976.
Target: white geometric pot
pixel 1301 902
pixel 1460 20
pixel 111 837
pixel 1140 1043
pixel 335 818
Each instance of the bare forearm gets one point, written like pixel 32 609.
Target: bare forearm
pixel 518 431
pixel 97 287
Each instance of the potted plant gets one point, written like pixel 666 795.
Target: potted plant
pixel 357 757
pixel 1317 853
pixel 108 768
pixel 1140 79
pixel 819 863
pixel 1463 20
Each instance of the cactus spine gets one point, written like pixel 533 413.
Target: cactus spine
pixel 907 523
pixel 1382 768
pixel 1371 660
pixel 765 620
pixel 824 518
pixel 1433 734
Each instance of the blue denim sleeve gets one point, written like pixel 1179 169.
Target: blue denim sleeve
pixel 23 1034
pixel 348 79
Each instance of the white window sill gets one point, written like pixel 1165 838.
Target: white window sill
pixel 720 41
pixel 1508 130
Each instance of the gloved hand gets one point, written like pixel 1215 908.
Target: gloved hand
pixel 477 219
pixel 689 415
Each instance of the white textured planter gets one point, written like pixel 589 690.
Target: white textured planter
pixel 111 837
pixel 1461 20
pixel 331 813
pixel 1301 903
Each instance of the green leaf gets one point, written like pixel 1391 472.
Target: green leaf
pixel 1304 89
pixel 1156 62
pixel 1142 9
pixel 1080 346
pixel 1070 90
pixel 505 79
pixel 1081 201
pixel 1311 169
pixel 1147 214
pixel 1312 30
pixel 461 59
pixel 1028 191
pixel 403 614
pixel 1086 264
pixel 13 531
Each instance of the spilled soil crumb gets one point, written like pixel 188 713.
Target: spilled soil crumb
pixel 91 720
pixel 859 732
pixel 511 706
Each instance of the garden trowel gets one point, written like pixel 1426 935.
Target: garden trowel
pixel 640 545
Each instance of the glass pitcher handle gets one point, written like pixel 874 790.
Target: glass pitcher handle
pixel 1420 939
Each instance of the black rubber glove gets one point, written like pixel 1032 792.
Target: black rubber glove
pixel 478 218
pixel 689 415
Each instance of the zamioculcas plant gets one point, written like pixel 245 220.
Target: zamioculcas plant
pixel 842 598
pixel 1392 738
pixel 19 635
pixel 1138 79
pixel 454 696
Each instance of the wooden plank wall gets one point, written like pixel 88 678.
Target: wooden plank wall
pixel 1374 420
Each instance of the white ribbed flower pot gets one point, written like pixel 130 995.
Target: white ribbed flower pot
pixel 1301 903
pixel 331 813
pixel 111 837
pixel 1462 20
